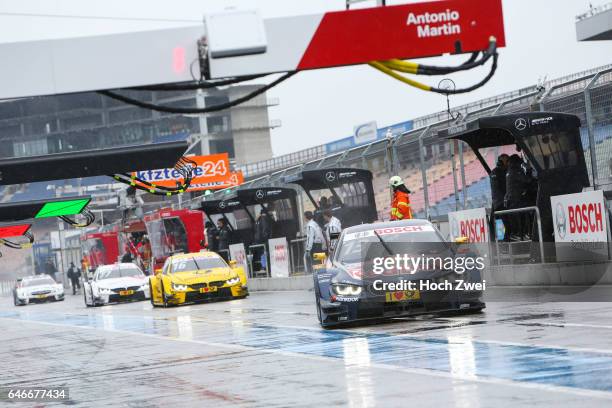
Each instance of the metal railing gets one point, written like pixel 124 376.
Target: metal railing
pixel 252 251
pixel 296 255
pixel 535 210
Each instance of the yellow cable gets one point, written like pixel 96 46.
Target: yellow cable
pixel 407 67
pixel 382 68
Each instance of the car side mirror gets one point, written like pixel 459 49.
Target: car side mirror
pixel 233 263
pixel 319 256
pixel 462 240
pixel 334 235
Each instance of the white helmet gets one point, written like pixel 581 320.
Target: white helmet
pixel 396 181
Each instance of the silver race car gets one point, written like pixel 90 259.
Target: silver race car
pixel 37 289
pixel 121 282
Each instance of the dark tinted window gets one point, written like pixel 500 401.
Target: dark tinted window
pixel 554 150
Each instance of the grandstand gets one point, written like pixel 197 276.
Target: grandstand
pixel 562 95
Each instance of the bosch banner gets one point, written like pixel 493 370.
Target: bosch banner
pixel 472 224
pixel 279 257
pixel 212 172
pixel 581 226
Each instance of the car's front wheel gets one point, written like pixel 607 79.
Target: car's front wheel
pixel 319 311
pixel 163 295
pixel 15 301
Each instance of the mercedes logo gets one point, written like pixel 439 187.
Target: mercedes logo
pixel 520 124
pixel 330 176
pixel 222 204
pixel 561 221
pixel 259 194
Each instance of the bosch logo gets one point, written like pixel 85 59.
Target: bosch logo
pixel 520 124
pixel 222 204
pixel 259 194
pixel 330 176
pixel 561 221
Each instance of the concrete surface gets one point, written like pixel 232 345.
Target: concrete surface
pixel 268 351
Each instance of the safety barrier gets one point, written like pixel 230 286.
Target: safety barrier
pixel 296 255
pixel 497 214
pixel 264 270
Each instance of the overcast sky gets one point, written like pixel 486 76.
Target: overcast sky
pixel 321 106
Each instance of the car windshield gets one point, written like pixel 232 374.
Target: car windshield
pixel 109 273
pixel 194 264
pixel 350 249
pixel 45 280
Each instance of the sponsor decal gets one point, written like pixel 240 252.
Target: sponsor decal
pixel 388 231
pixel 541 121
pixel 435 24
pixel 330 176
pixel 211 172
pixel 520 124
pixel 366 132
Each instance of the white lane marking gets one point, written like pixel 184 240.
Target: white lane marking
pixel 419 371
pixel 561 324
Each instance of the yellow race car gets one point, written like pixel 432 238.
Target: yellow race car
pixel 197 277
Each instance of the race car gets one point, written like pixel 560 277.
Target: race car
pixel 393 269
pixel 121 282
pixel 37 289
pixel 197 277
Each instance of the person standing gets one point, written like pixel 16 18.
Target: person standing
pixel 212 243
pixel 315 241
pixel 223 238
pixel 50 269
pixel 400 205
pixel 332 226
pixel 498 188
pixel 73 275
pixel 516 189
pixel 85 267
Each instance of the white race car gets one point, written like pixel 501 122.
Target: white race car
pixel 37 289
pixel 122 282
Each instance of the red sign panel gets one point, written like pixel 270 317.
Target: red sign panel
pixel 404 31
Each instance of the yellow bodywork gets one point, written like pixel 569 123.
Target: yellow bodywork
pixel 223 283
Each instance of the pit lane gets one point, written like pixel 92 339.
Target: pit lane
pixel 268 350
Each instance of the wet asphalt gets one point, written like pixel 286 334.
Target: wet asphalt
pixel 268 351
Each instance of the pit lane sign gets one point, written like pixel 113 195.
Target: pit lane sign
pixel 469 223
pixel 580 224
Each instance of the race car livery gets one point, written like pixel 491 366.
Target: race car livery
pixel 121 282
pixel 382 270
pixel 197 277
pixel 37 289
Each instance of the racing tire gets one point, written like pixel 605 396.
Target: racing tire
pixel 319 311
pixel 85 299
pixel 151 295
pixel 16 302
pixel 163 295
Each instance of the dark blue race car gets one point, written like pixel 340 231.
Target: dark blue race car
pixel 393 269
